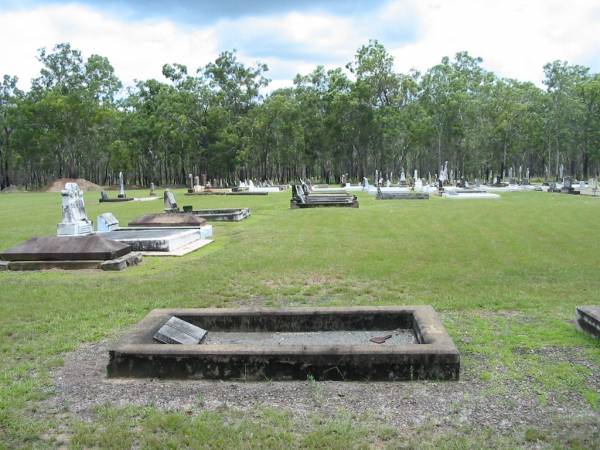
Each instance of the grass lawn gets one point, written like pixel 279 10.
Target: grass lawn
pixel 504 275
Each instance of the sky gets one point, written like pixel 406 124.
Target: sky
pixel 515 38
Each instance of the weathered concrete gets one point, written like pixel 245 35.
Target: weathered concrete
pixel 119 263
pixel 223 214
pixel 588 319
pixel 433 357
pixel 381 195
pixel 227 193
pixel 168 220
pixel 301 198
pixel 159 240
pixel 131 259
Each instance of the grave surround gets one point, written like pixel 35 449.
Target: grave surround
pixel 434 356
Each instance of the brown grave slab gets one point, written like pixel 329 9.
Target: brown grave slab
pixel 66 248
pixel 168 220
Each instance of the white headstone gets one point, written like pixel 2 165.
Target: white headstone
pixel 444 172
pixel 74 219
pixel 418 185
pixel 106 222
pixel 121 186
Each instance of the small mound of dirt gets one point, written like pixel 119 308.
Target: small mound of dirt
pixel 84 185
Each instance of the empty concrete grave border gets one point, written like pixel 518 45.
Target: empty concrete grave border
pixel 433 354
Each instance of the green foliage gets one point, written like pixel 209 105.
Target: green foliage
pixel 77 121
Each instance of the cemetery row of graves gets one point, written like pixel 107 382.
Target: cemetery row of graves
pixel 337 343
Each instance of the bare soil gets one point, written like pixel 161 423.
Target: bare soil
pixel 84 185
pixel 81 384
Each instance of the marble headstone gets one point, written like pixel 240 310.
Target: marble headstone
pixel 121 186
pixel 106 222
pixel 74 219
pixel 177 331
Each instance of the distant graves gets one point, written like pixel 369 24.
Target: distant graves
pixel 399 195
pixel 216 215
pixel 301 198
pixel 567 187
pixel 244 188
pixel 591 189
pixel 464 194
pixel 121 196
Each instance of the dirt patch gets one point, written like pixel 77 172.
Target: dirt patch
pixel 84 185
pixel 82 385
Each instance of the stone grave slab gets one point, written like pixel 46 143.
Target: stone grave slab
pixel 301 198
pixel 588 319
pixel 381 195
pixel 71 248
pixel 69 253
pixel 177 331
pixel 168 220
pixel 223 214
pixel 162 241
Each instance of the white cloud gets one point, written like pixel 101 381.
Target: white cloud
pixel 137 50
pixel 515 38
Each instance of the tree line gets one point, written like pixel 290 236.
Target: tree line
pixel 77 120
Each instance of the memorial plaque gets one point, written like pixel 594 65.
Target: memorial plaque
pixel 177 331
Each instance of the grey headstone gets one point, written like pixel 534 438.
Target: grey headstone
pixel 170 202
pixel 177 331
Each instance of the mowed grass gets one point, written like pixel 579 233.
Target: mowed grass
pixel 505 275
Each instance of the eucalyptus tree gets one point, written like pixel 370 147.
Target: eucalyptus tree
pixel 565 112
pixel 68 110
pixel 10 97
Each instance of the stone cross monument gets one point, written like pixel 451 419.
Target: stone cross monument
pixel 74 219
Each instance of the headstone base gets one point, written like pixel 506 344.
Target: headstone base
pixel 74 229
